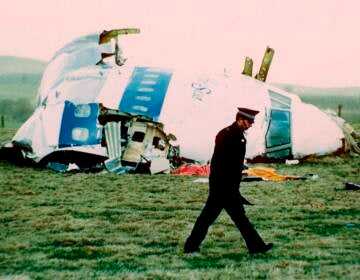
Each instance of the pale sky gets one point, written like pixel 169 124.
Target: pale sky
pixel 316 42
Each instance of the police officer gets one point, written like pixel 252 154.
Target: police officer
pixel 224 182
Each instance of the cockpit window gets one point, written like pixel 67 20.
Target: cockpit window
pixel 279 101
pixel 279 129
pixel 278 135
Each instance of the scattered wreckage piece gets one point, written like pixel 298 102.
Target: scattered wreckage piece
pixel 352 186
pixel 249 174
pixel 269 174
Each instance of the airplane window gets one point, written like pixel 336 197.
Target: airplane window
pixel 143 98
pixel 279 101
pixel 281 116
pixel 276 104
pixel 279 132
pixel 80 134
pixel 138 136
pixel 151 76
pixel 145 89
pixel 140 108
pixel 82 111
pixel 148 82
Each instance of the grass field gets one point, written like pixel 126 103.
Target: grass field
pixel 106 226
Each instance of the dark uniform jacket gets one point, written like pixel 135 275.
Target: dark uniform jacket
pixel 228 159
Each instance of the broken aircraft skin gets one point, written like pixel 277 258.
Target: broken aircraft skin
pixel 96 108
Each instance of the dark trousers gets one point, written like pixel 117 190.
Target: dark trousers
pixel 232 203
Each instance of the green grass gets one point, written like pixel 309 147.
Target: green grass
pixel 106 226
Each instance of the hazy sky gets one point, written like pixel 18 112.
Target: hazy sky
pixel 316 42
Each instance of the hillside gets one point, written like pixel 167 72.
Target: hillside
pixel 20 65
pixel 19 82
pixel 20 77
pixel 330 98
pixel 305 91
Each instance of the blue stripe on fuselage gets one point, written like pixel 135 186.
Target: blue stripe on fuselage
pixel 79 125
pixel 145 92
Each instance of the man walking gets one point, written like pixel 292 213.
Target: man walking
pixel 224 182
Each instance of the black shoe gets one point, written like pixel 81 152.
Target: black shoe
pixel 191 250
pixel 264 249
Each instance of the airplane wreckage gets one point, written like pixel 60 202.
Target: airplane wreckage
pixel 96 109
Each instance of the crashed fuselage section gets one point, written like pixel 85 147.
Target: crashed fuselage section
pixel 80 122
pixel 91 137
pixel 98 110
